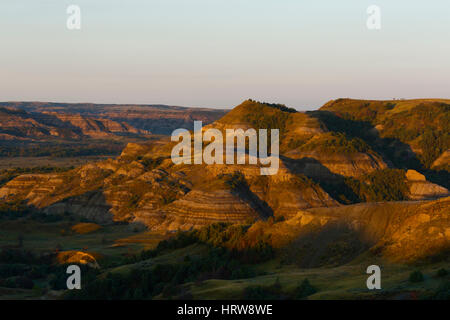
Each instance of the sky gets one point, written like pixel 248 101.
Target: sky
pixel 217 53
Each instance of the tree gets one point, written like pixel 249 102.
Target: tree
pixel 304 290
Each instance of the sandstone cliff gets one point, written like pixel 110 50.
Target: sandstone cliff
pixel 421 189
pixel 443 162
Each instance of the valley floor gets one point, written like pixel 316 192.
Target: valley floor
pixel 113 245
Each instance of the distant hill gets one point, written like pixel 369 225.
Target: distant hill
pixel 22 125
pixel 158 119
pixel 62 129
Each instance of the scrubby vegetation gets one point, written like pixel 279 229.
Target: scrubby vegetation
pixel 226 257
pixel 235 180
pixel 442 272
pixel 278 106
pixel 270 292
pixel 433 143
pixel 416 276
pixel 166 280
pixel 442 292
pixel 152 163
pixel 61 150
pixel 20 268
pixel 234 239
pixel 260 120
pixel 13 209
pixel 304 290
pixel 275 291
pixel 336 143
pixel 381 185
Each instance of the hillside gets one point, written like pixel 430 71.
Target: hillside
pixel 161 195
pixel 413 132
pixel 320 169
pixel 397 231
pixel 305 139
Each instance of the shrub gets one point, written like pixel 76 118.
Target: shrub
pixel 381 185
pixel 13 209
pixel 236 180
pixel 336 143
pixel 24 283
pixel 433 143
pixel 271 292
pixel 442 273
pixel 442 292
pixel 304 290
pixel 152 163
pixel 416 276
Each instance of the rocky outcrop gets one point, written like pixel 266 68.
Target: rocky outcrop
pixel 426 190
pixel 443 162
pixel 285 193
pixel 413 175
pixel 31 187
pixel 98 127
pixel 321 165
pixel 421 189
pixel 77 257
pixel 90 205
pixel 199 208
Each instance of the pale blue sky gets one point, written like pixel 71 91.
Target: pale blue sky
pixel 216 53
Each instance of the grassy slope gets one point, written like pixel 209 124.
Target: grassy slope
pixel 343 282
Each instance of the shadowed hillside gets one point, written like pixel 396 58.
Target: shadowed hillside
pixel 410 134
